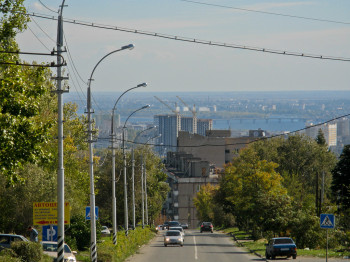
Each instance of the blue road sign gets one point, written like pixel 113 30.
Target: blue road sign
pixel 327 221
pixel 88 213
pixel 48 234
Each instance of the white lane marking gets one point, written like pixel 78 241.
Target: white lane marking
pixel 195 248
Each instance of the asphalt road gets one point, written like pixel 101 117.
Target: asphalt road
pixel 206 247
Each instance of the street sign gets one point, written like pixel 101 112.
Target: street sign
pixel 45 213
pixel 50 234
pixel 88 213
pixel 327 221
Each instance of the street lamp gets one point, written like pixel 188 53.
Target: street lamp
pixel 93 247
pixel 144 184
pixel 126 225
pixel 133 175
pixel 114 201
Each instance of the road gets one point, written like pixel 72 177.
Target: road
pixel 205 247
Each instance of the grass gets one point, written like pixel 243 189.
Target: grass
pixel 126 246
pixel 258 247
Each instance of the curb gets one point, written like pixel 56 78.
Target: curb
pixel 241 245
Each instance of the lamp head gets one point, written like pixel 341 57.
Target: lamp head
pixel 142 85
pixel 146 106
pixel 130 46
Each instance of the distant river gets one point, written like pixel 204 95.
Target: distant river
pixel 269 124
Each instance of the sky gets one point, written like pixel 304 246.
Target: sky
pixel 169 65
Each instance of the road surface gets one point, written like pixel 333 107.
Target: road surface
pixel 204 247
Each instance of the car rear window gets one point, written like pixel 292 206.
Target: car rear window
pixel 283 241
pixel 173 233
pixel 206 223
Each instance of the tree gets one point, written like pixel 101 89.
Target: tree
pixel 22 133
pixel 204 202
pixel 250 184
pixel 341 180
pixel 320 139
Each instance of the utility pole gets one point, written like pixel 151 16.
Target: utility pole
pixel 60 173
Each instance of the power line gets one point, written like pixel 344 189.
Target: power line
pixel 267 13
pixel 38 38
pixel 196 41
pixel 48 7
pixel 42 30
pixel 240 143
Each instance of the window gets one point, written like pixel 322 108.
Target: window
pixel 227 151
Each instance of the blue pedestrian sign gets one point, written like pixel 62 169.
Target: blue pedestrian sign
pixel 327 221
pixel 88 213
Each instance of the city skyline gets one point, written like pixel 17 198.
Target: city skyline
pixel 168 65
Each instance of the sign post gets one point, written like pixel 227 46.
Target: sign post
pixel 45 213
pixel 327 221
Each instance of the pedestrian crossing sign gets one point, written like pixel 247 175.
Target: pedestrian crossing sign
pixel 327 221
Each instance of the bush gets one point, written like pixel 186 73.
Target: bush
pixel 27 251
pixel 8 255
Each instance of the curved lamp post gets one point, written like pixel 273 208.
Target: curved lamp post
pixel 93 249
pixel 133 176
pixel 144 183
pixel 114 201
pixel 126 224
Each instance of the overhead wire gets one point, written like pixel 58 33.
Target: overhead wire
pixel 38 39
pixel 241 143
pixel 47 7
pixel 267 13
pixel 196 41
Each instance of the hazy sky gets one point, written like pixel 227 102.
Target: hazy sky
pixel 170 65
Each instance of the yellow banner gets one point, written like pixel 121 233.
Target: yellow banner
pixel 45 213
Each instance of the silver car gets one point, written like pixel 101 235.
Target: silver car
pixel 173 237
pixel 50 249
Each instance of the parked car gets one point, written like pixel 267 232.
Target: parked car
pixel 207 226
pixel 7 239
pixel 50 249
pixel 173 224
pixel 281 246
pixel 173 237
pixel 105 230
pixel 184 226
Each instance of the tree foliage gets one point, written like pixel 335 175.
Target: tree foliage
pixel 341 180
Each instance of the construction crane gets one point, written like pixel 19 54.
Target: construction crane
pixel 175 111
pixel 194 113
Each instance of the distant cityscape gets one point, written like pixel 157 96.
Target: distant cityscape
pixel 273 112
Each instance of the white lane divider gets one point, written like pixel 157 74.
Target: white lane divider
pixel 195 248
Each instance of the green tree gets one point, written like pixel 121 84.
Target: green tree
pixel 341 180
pixel 320 139
pixel 204 202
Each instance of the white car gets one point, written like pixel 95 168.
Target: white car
pixel 173 237
pixel 105 230
pixel 182 231
pixel 50 249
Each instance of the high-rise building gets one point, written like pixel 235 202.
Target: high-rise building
pixel 187 124
pixel 168 127
pixel 203 125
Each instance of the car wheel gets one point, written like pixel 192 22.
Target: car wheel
pixel 267 255
pixel 212 231
pixel 182 245
pixel 165 245
pixel 273 257
pixel 294 256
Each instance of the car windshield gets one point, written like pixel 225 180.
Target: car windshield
pixel 173 233
pixel 283 241
pixel 176 228
pixel 51 247
pixel 174 223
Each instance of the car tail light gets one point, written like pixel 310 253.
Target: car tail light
pixel 294 248
pixel 201 225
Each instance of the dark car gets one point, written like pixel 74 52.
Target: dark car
pixel 207 226
pixel 184 226
pixel 7 239
pixel 165 225
pixel 173 224
pixel 281 246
